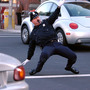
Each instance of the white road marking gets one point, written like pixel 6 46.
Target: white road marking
pixel 57 76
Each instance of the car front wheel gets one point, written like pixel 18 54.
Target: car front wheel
pixel 61 37
pixel 25 35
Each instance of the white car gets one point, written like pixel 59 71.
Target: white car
pixel 12 74
pixel 72 25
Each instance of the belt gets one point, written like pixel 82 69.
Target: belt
pixel 53 40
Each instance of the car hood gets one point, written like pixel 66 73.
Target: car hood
pixel 84 21
pixel 8 62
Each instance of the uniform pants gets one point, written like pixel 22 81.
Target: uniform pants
pixel 56 48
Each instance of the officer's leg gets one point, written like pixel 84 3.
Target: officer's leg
pixel 46 53
pixel 69 54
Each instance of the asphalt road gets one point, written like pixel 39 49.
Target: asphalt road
pixel 53 76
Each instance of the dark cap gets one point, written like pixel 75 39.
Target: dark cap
pixel 33 15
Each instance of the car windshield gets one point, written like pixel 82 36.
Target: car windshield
pixel 78 9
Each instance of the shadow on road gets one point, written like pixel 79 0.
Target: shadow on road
pixel 80 48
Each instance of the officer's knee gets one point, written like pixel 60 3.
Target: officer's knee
pixel 44 56
pixel 43 59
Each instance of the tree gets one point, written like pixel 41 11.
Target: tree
pixel 10 14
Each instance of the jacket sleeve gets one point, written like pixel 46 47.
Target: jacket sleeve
pixel 54 16
pixel 31 49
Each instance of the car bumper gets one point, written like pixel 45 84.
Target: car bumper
pixel 22 85
pixel 78 37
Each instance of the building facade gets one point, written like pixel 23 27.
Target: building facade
pixel 27 6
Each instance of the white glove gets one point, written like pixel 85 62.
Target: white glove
pixel 26 61
pixel 61 2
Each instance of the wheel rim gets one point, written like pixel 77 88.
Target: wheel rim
pixel 60 37
pixel 25 35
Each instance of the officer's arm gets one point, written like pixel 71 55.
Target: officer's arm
pixel 31 49
pixel 55 14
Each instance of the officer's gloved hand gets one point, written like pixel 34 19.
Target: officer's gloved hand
pixel 26 61
pixel 61 2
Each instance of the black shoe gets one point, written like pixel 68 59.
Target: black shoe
pixel 72 70
pixel 33 72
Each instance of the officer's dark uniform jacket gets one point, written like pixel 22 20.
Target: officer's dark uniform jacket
pixel 43 34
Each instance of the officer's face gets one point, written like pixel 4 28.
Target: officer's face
pixel 36 21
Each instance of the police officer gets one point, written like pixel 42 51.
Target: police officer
pixel 45 36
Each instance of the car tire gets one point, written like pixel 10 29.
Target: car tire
pixel 25 35
pixel 61 37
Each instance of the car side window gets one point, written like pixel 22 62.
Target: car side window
pixel 44 9
pixel 78 9
pixel 53 9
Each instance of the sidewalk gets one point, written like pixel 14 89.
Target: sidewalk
pixel 17 29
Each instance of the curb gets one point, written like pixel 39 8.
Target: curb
pixel 16 30
pixel 10 30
